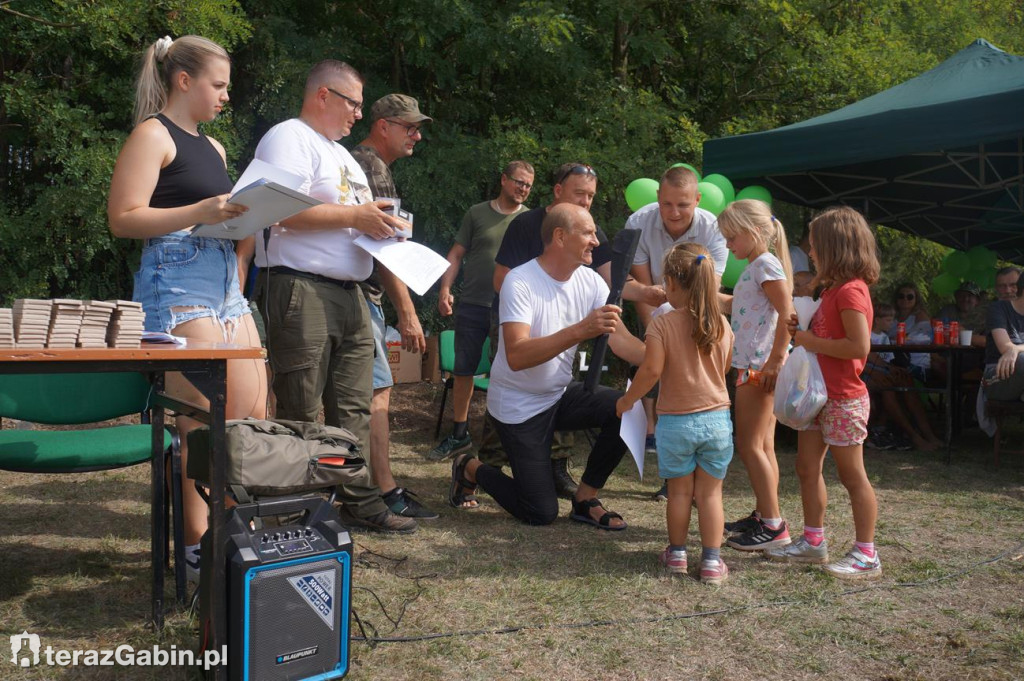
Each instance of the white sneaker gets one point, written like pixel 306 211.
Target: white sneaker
pixel 856 565
pixel 800 551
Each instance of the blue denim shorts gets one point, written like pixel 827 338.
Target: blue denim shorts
pixel 686 441
pixel 381 370
pixel 182 277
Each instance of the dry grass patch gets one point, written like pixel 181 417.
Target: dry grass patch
pixel 578 603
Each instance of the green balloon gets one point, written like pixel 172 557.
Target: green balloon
pixel 723 183
pixel 755 191
pixel 711 198
pixel 689 167
pixel 641 192
pixel 984 278
pixel 981 258
pixel 957 264
pixel 945 284
pixel 733 269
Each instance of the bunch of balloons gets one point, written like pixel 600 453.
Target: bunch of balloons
pixel 977 265
pixel 716 192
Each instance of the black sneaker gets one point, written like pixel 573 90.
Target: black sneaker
pixel 743 525
pixel 565 486
pixel 385 522
pixel 761 538
pixel 403 502
pixel 661 494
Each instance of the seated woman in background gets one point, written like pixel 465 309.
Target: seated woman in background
pixel 1004 370
pixel 911 311
pixel 899 409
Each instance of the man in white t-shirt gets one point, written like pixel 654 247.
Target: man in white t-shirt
pixel 548 306
pixel 319 337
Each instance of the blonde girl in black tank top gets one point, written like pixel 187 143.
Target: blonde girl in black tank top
pixel 168 178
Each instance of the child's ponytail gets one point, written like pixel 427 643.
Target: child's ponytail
pixel 691 267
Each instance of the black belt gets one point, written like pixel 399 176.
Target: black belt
pixel 344 283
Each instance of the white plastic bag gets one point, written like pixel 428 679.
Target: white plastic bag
pixel 800 391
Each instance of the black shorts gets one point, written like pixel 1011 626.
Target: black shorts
pixel 472 326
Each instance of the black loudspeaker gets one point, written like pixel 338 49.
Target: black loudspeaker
pixel 289 590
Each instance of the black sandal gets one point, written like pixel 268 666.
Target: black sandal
pixel 462 490
pixel 581 514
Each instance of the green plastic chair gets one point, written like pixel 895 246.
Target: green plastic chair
pixel 446 351
pixel 87 398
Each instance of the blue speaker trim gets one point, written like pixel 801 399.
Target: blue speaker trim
pixel 346 569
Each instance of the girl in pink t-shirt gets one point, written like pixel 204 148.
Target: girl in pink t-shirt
pixel 844 253
pixel 762 296
pixel 694 431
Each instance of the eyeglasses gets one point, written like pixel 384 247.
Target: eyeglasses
pixel 577 170
pixel 410 128
pixel 905 296
pixel 357 106
pixel 519 183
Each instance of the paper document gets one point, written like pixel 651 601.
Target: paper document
pixel 261 170
pixel 268 203
pixel 415 264
pixel 633 432
pixel 163 338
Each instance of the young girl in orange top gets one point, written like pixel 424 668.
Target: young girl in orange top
pixel 844 252
pixel 694 432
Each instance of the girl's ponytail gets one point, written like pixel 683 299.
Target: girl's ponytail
pixel 691 267
pixel 162 61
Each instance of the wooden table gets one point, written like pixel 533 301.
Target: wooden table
pixel 204 364
pixel 954 355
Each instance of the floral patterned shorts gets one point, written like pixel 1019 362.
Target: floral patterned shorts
pixel 843 423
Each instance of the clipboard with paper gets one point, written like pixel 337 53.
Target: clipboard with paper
pixel 271 195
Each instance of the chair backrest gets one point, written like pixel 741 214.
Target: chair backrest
pixel 484 367
pixel 446 348
pixel 73 398
pixel 446 345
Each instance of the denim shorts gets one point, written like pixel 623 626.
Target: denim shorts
pixel 685 441
pixel 381 370
pixel 199 274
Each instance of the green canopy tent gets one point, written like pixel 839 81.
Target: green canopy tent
pixel 940 156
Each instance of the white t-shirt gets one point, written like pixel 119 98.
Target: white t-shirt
pixel 529 295
pixel 330 174
pixel 754 318
pixel 655 242
pixel 801 261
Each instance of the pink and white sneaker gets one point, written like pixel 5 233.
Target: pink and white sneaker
pixel 856 565
pixel 713 572
pixel 674 561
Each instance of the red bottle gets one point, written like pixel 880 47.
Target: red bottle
pixel 901 333
pixel 939 332
pixel 954 333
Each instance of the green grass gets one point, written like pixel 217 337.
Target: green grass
pixel 585 604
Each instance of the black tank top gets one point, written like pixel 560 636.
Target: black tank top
pixel 196 173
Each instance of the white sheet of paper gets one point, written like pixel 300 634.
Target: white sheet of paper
pixel 415 264
pixel 633 431
pixel 261 170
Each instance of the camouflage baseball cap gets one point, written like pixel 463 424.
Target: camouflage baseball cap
pixel 402 107
pixel 970 287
